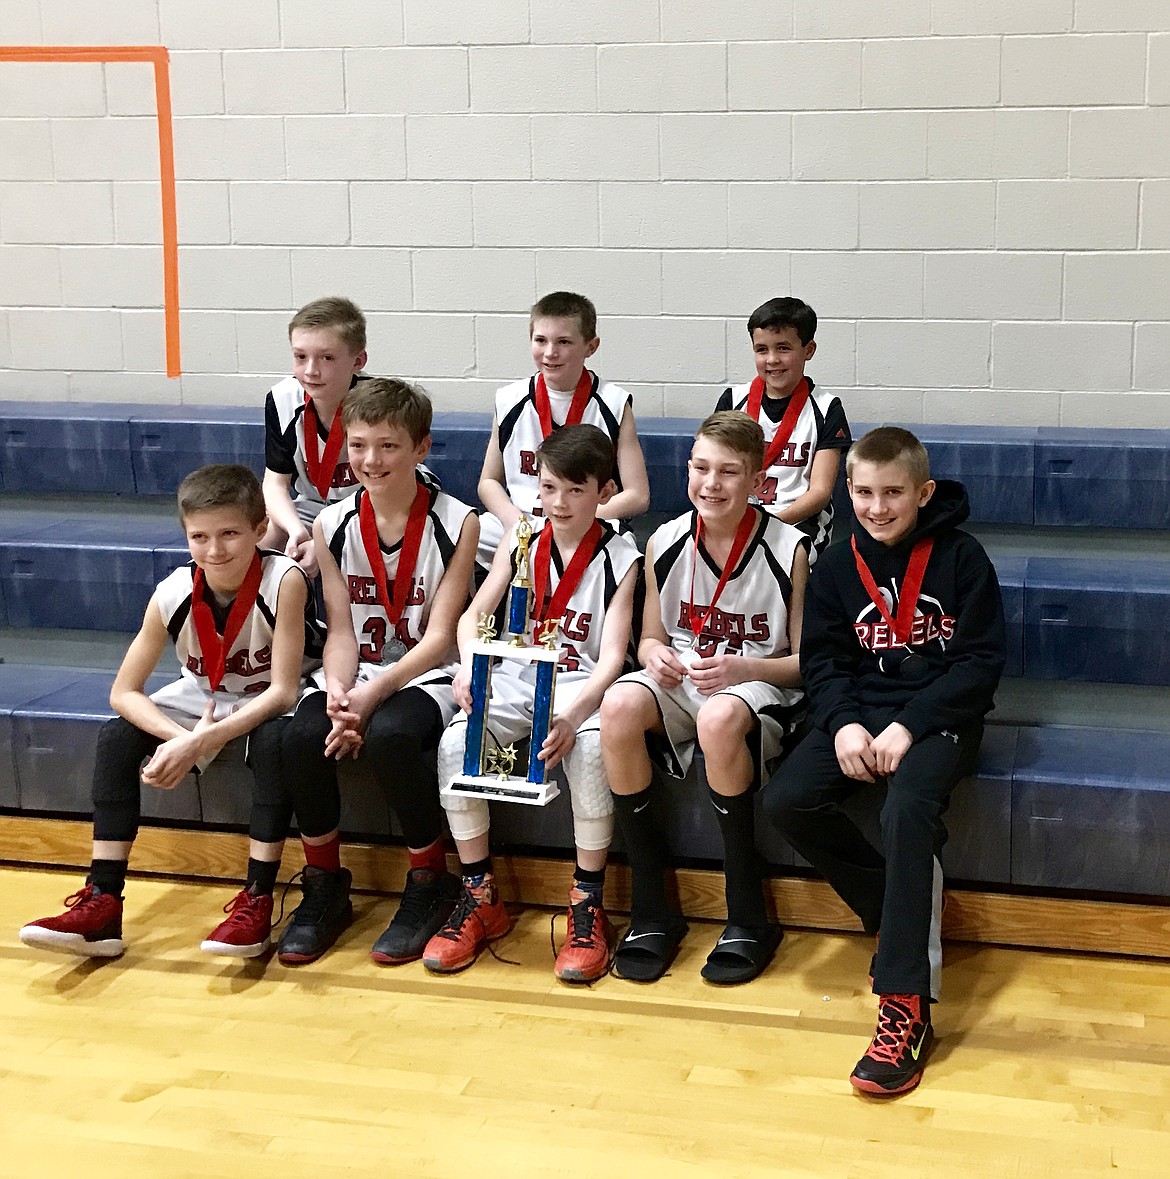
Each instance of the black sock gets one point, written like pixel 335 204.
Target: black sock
pixel 479 868
pixel 590 880
pixel 741 863
pixel 108 876
pixel 647 854
pixel 262 876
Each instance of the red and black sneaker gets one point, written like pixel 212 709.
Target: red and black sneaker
pixel 91 926
pixel 897 1055
pixel 247 932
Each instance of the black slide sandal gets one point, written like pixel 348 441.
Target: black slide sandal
pixel 648 949
pixel 741 954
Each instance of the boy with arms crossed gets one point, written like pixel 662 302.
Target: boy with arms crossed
pixel 903 649
pixel 562 392
pixel 584 574
pixel 242 622
pixel 805 428
pixel 720 633
pixel 396 562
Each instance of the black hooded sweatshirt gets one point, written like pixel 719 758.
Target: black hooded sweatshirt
pixel 847 656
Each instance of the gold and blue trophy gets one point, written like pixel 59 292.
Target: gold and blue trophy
pixel 488 770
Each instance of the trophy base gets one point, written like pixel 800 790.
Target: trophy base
pixel 495 789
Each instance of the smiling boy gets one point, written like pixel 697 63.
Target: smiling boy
pixel 244 629
pixel 902 650
pixel 396 563
pixel 720 636
pixel 584 574
pixel 563 331
pixel 804 427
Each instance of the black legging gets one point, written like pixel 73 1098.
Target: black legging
pixel 117 787
pixel 399 751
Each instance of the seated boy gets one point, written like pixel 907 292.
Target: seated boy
pixel 242 622
pixel 903 649
pixel 720 633
pixel 396 562
pixel 304 447
pixel 805 428
pixel 562 392
pixel 583 573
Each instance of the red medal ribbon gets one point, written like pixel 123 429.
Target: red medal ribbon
pixel 320 469
pixel 796 404
pixel 569 581
pixel 742 532
pixel 576 406
pixel 901 627
pixel 407 554
pixel 214 648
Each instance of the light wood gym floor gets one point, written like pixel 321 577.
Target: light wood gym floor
pixel 168 1063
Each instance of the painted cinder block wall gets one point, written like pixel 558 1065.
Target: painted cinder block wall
pixel 975 197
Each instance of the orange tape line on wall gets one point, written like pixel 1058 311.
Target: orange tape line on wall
pixel 158 57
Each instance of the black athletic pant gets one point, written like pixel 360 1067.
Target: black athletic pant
pixel 893 893
pixel 117 787
pixel 400 750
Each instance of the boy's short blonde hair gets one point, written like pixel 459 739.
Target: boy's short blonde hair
pixel 390 400
pixel 339 315
pixel 735 430
pixel 566 305
pixel 222 485
pixel 891 444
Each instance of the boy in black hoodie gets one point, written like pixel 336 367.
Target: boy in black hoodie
pixel 903 646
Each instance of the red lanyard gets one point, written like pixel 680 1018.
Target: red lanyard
pixel 576 406
pixel 569 581
pixel 407 554
pixel 796 404
pixel 742 532
pixel 321 470
pixel 911 588
pixel 213 648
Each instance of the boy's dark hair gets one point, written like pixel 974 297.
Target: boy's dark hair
pixel 735 430
pixel 781 313
pixel 339 315
pixel 390 400
pixel 577 453
pixel 890 444
pixel 222 485
pixel 566 305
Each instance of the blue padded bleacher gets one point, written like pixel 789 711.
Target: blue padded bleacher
pixel 1103 478
pixel 1102 622
pixel 169 442
pixel 1091 810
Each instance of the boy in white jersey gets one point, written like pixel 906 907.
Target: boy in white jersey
pixel 244 629
pixel 396 562
pixel 304 443
pixel 583 573
pixel 720 636
pixel 562 392
pixel 805 430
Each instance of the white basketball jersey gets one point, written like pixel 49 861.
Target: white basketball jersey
pixel 520 433
pixel 751 614
pixel 248 665
pixel 584 616
pixel 342 528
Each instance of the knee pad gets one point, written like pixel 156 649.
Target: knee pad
pixel 588 785
pixel 450 755
pixel 468 818
pixel 592 834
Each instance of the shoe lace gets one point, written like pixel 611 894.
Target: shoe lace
pixel 417 899
pixel 896 1022
pixel 83 896
pixel 583 916
pixel 467 909
pixel 241 908
pixel 315 902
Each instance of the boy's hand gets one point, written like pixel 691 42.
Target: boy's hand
pixel 562 736
pixel 890 746
pixel 854 748
pixel 664 667
pixel 302 550
pixel 716 673
pixel 343 741
pixel 173 760
pixel 461 686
